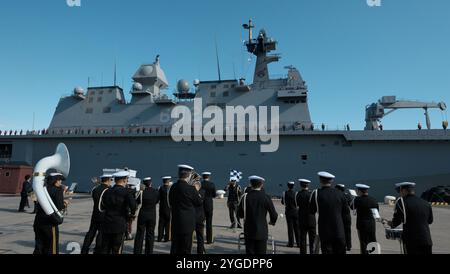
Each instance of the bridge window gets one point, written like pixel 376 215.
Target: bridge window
pixel 107 110
pixel 226 94
pixel 91 99
pixel 213 94
pixel 89 110
pixel 226 86
pixel 213 86
pixel 304 157
pixel 99 99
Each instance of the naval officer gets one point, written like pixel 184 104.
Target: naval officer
pixel 348 229
pixel 210 193
pixel 97 217
pixel 331 206
pixel 234 196
pixel 253 208
pixel 164 210
pixel 46 228
pixel 200 221
pixel 183 198
pixel 416 216
pixel 306 220
pixel 119 206
pixel 291 213
pixel 27 188
pixel 146 222
pixel 365 221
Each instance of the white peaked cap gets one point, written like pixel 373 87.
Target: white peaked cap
pixel 325 174
pixel 121 174
pixel 185 167
pixel 256 178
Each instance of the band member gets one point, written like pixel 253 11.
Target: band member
pixel 253 208
pixel 27 188
pixel 210 193
pixel 365 221
pixel 348 229
pixel 119 205
pixel 146 223
pixel 417 216
pixel 306 220
pixel 45 227
pixel 183 198
pixel 135 194
pixel 200 221
pixel 234 195
pixel 97 217
pixel 331 206
pixel 164 210
pixel 291 213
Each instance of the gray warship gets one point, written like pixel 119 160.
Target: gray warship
pixel 102 130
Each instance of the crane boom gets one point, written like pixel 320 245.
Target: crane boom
pixel 376 111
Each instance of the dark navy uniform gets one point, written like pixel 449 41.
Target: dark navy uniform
pixel 334 214
pixel 416 231
pixel 306 221
pixel 45 227
pixel 183 198
pixel 254 207
pixel 146 223
pixel 365 222
pixel 291 212
pixel 119 205
pixel 96 222
pixel 200 224
pixel 234 195
pixel 27 188
pixel 210 194
pixel 348 229
pixel 164 214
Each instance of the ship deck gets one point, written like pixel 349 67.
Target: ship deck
pixel 17 237
pixel 349 135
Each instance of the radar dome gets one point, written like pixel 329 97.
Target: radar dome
pixel 137 86
pixel 146 71
pixel 78 91
pixel 183 86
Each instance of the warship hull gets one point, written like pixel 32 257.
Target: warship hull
pixel 377 158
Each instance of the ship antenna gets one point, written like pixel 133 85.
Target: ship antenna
pixel 217 58
pixel 115 72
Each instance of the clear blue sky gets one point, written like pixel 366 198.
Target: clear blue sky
pixel 349 54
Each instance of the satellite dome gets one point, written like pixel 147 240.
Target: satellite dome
pixel 196 82
pixel 78 91
pixel 137 86
pixel 183 86
pixel 146 71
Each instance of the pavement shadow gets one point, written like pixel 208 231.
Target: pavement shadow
pixel 11 210
pixel 29 244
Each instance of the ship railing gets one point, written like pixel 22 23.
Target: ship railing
pixel 166 130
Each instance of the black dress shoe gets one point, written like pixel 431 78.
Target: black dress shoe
pixel 239 226
pixel 290 246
